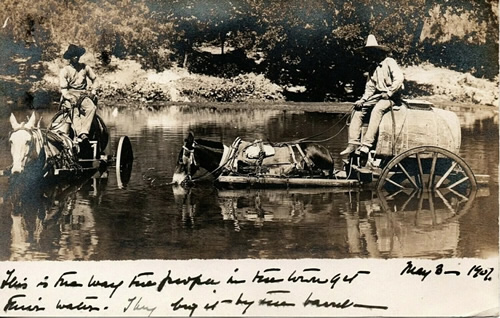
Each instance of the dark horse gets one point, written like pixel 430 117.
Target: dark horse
pixel 213 157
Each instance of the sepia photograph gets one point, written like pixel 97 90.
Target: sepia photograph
pixel 257 131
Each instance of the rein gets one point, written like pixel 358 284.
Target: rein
pixel 370 102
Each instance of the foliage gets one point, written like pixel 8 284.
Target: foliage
pixel 138 90
pixel 313 43
pixel 213 21
pixel 107 27
pixel 242 88
pixel 307 43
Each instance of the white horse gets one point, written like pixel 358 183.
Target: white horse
pixel 37 149
pixel 26 143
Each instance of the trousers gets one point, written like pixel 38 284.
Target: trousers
pixel 82 116
pixel 377 111
pixel 82 120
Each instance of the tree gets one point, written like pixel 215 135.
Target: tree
pixel 215 21
pixel 98 25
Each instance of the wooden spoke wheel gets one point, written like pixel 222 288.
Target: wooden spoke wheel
pixel 428 168
pixel 124 161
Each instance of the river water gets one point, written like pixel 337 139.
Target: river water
pixel 147 219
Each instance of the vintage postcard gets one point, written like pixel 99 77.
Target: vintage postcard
pixel 249 158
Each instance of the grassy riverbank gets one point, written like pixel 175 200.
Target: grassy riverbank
pixel 126 80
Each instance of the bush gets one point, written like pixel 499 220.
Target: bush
pixel 138 91
pixel 242 88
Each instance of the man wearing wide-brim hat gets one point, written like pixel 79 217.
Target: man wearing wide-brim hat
pixel 77 82
pixel 382 91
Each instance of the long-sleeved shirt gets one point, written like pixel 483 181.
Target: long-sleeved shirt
pixel 386 78
pixel 71 78
pixel 73 82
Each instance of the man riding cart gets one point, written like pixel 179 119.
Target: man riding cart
pixel 382 91
pixel 78 96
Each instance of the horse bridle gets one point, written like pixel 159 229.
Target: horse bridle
pixel 190 157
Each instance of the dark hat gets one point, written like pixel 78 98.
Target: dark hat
pixel 372 44
pixel 73 50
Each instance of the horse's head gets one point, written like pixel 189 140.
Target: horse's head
pixel 186 162
pixel 23 146
pixel 196 154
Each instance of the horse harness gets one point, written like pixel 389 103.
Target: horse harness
pixel 190 155
pixel 66 155
pixel 229 159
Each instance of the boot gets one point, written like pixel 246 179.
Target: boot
pixel 364 149
pixel 350 148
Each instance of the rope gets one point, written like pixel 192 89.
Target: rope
pixel 308 139
pixel 371 101
pixel 396 139
pixel 393 131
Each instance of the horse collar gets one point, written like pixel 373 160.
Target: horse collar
pixel 191 153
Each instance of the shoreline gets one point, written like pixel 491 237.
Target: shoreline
pixel 318 107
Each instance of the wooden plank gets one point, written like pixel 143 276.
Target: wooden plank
pixel 482 179
pixel 236 193
pixel 287 181
pixel 64 170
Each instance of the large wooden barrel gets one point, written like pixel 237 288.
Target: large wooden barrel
pixel 418 127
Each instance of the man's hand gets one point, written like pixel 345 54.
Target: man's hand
pixel 358 104
pixel 384 96
pixel 72 98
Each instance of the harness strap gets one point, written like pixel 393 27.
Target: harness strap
pixel 233 163
pixel 37 143
pixel 295 163
pixel 66 156
pixel 191 154
pixel 261 153
pixel 225 155
pixel 306 159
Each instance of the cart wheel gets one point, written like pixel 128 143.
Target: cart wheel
pixel 124 160
pixel 430 208
pixel 428 168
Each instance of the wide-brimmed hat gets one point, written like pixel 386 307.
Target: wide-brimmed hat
pixel 73 50
pixel 372 44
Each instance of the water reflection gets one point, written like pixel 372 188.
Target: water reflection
pixel 414 224
pixel 264 205
pixel 53 221
pixel 370 224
